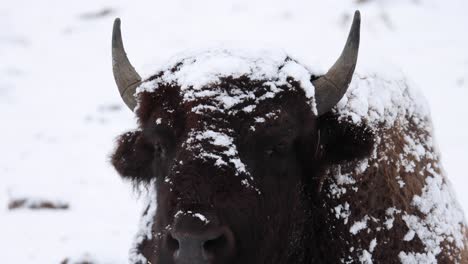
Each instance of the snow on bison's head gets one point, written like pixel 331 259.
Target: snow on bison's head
pixel 238 151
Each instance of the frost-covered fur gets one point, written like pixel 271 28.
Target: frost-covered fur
pixel 234 135
pixel 395 205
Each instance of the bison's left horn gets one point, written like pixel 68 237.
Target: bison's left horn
pixel 125 76
pixel 330 88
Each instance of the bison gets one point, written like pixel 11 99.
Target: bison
pixel 249 157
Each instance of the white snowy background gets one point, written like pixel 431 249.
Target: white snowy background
pixel 60 111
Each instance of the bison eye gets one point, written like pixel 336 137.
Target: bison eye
pixel 159 150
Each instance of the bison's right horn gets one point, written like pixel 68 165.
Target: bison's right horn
pixel 126 78
pixel 330 88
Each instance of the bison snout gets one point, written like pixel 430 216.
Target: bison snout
pixel 200 244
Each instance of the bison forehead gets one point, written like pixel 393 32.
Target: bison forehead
pixel 216 85
pixel 201 74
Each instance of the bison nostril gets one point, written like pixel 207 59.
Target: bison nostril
pixel 221 246
pixel 199 244
pixel 216 245
pixel 172 243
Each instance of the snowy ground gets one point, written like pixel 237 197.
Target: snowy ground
pixel 60 110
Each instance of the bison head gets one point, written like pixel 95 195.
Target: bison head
pixel 233 145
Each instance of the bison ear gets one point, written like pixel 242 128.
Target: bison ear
pixel 133 156
pixel 342 140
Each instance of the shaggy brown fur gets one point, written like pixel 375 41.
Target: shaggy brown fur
pixel 377 190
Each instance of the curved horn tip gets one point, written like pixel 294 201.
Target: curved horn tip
pixel 356 20
pixel 116 25
pixel 357 15
pixel 355 30
pixel 117 21
pixel 116 33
